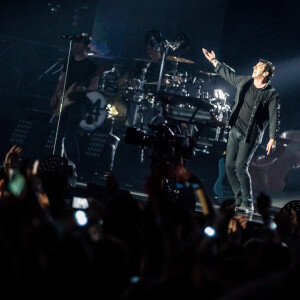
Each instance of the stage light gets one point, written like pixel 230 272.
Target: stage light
pixel 134 279
pixel 54 8
pixel 81 218
pixel 273 225
pixel 209 231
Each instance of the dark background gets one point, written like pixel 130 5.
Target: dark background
pixel 240 32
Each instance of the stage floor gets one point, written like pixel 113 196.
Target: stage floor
pixel 277 201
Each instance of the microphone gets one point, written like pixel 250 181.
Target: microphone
pixel 74 37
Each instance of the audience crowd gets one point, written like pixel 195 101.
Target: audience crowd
pixel 128 249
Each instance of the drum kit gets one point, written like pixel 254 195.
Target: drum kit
pixel 136 102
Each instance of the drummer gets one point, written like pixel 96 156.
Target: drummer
pixel 147 72
pixel 153 40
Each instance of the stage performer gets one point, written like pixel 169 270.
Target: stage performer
pixel 256 105
pixel 82 77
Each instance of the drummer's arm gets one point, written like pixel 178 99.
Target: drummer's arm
pixel 223 70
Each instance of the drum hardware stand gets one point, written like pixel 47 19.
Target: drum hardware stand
pixel 198 95
pixel 189 123
pixel 165 46
pixel 183 91
pixel 144 71
pixel 141 107
pixel 140 125
pixel 162 64
pixel 113 69
pixel 113 145
pixel 175 72
pixel 142 150
pixel 195 112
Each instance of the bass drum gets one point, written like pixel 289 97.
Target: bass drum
pixel 96 112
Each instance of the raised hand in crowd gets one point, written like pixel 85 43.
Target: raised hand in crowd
pixel 12 157
pixel 2 186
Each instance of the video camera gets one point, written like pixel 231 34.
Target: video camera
pixel 166 143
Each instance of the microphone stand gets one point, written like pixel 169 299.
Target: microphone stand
pixel 162 65
pixel 165 47
pixel 61 101
pixel 142 107
pixel 159 113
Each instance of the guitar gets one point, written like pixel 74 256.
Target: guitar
pixel 70 96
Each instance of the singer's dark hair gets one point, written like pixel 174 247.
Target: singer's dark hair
pixel 86 40
pixel 269 67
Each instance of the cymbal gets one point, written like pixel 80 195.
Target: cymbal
pixel 179 59
pixel 98 55
pixel 207 73
pixel 174 76
pixel 141 59
pixel 151 82
pixel 145 60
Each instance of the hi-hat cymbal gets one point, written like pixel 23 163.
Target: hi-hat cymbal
pixel 179 59
pixel 207 73
pixel 163 83
pixel 179 75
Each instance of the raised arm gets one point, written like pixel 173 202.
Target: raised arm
pixel 211 57
pixel 223 70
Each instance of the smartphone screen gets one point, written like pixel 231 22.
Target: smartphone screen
pixel 16 184
pixel 80 203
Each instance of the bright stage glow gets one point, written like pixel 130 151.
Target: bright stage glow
pixel 81 218
pixel 209 231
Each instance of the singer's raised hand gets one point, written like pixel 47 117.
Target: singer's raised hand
pixel 209 55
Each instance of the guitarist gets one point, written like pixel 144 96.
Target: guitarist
pixel 80 80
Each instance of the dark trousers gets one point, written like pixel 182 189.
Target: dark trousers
pixel 67 133
pixel 238 157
